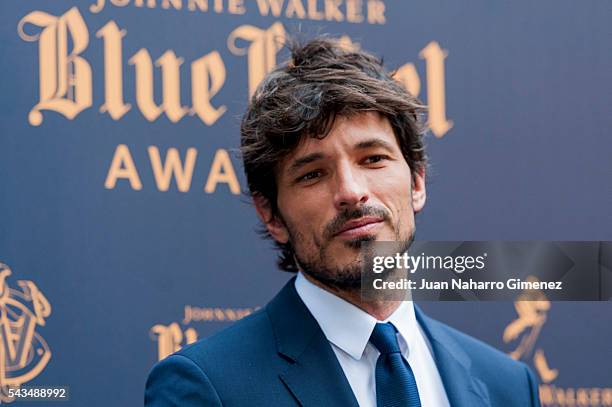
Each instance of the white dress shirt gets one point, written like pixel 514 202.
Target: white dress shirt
pixel 348 330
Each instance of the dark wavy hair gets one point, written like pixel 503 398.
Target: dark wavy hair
pixel 302 97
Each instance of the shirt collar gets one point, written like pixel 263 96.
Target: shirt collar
pixel 347 326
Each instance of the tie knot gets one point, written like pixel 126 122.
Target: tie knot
pixel 384 338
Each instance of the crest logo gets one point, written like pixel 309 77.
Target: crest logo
pixel 23 352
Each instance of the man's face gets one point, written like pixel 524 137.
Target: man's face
pixel 354 185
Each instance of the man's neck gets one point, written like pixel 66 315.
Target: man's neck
pixel 380 310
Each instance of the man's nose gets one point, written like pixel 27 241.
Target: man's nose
pixel 351 189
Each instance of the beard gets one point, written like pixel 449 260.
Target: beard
pixel 346 277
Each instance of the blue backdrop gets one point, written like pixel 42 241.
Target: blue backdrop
pixel 122 201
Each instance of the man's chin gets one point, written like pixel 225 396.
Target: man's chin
pixel 337 281
pixel 344 275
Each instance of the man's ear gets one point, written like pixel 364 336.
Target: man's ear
pixel 274 224
pixel 419 195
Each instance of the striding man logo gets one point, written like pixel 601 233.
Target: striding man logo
pixel 23 352
pixel 531 307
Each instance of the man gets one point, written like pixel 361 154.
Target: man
pixel 334 157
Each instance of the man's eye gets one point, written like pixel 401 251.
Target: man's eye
pixel 373 159
pixel 309 176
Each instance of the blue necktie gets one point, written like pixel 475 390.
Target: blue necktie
pixel 395 382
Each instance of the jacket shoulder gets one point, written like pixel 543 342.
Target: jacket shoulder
pixel 178 381
pixel 230 367
pixel 506 379
pixel 237 344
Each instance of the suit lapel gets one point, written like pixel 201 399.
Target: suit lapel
pixel 314 375
pixel 316 379
pixel 462 388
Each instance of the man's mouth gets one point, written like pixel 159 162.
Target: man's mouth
pixel 360 227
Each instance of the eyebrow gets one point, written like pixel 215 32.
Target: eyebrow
pixel 302 161
pixel 374 143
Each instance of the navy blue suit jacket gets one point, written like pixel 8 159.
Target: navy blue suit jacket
pixel 278 356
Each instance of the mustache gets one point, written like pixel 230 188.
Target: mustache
pixel 336 224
